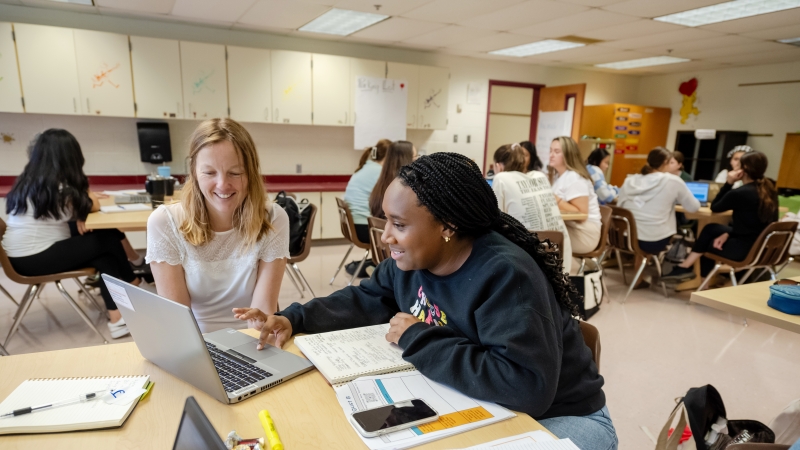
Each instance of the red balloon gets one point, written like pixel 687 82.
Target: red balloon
pixel 688 87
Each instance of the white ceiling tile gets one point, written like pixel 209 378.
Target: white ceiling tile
pixel 455 11
pixel 708 53
pixel 397 29
pixel 282 13
pixel 49 4
pixel 656 8
pixel 414 46
pixel 785 55
pixel 757 23
pixel 584 21
pixel 685 47
pixel 635 29
pixel 227 11
pixel 645 41
pixel 321 36
pixel 592 3
pixel 11 2
pixel 447 36
pixel 773 33
pixel 581 53
pixel 388 7
pixel 602 56
pixel 147 6
pixel 680 67
pixel 523 14
pixel 270 30
pixel 493 42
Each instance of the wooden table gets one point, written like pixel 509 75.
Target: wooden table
pixel 750 302
pixel 568 216
pixel 305 409
pixel 123 221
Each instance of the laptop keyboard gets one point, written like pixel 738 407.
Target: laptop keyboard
pixel 234 372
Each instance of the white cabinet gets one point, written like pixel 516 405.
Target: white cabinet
pixel 363 68
pixel 433 88
pixel 10 94
pixel 249 86
pixel 47 68
pixel 291 87
pixel 331 225
pixel 205 83
pixel 331 90
pixel 157 78
pixel 104 73
pixel 410 74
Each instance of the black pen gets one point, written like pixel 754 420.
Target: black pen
pixel 80 399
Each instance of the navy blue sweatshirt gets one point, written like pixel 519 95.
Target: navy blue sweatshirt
pixel 492 330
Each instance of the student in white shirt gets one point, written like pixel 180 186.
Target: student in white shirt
pixel 734 155
pixel 652 195
pixel 51 193
pixel 361 183
pixel 574 192
pixel 527 198
pixel 224 245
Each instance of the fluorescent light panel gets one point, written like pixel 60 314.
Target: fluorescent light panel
pixel 76 2
pixel 723 12
pixel 795 41
pixel 535 48
pixel 342 22
pixel 643 62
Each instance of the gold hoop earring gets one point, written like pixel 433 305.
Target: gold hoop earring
pixel 447 238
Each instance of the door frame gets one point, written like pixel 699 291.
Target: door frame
pixel 534 111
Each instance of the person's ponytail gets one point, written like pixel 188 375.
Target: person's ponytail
pixel 656 159
pixel 646 169
pixel 767 196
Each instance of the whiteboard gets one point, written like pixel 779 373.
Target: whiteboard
pixel 380 107
pixel 552 124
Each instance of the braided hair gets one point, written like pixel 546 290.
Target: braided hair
pixel 452 188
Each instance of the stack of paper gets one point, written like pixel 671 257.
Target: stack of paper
pixel 457 412
pixel 126 208
pixel 535 440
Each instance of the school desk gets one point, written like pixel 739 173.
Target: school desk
pixel 748 301
pixel 304 408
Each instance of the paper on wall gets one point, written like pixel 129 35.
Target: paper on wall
pixel 380 111
pixel 552 124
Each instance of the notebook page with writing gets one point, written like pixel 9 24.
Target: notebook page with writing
pixel 345 355
pixel 79 416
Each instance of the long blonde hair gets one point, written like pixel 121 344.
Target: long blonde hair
pixel 572 158
pixel 251 219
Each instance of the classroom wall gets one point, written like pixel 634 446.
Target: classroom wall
pixel 111 147
pixel 724 105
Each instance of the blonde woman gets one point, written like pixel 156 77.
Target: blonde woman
pixel 572 186
pixel 224 245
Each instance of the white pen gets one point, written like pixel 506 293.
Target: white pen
pixel 80 399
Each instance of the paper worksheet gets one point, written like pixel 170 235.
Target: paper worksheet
pixel 457 412
pixel 534 440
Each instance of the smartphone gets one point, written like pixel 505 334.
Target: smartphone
pixel 390 418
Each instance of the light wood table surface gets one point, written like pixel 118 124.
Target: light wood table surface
pixel 750 302
pixel 569 216
pixel 305 410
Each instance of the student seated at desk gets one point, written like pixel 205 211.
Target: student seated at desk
pixel 527 198
pixel 596 165
pixel 361 184
pixel 398 155
pixel 651 198
pixel 532 161
pixel 680 170
pixel 473 300
pixel 51 192
pixel 574 192
pixel 224 245
pixel 754 206
pixel 735 156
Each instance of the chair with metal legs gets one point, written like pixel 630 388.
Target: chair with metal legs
pixel 349 232
pixel 380 251
pixel 8 295
pixel 599 253
pixel 35 284
pixel 292 269
pixel 771 249
pixel 622 238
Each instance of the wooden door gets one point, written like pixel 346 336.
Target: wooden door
pixel 560 98
pixel 48 69
pixel 104 73
pixel 157 78
pixel 205 82
pixel 10 93
pixel 363 68
pixel 331 90
pixel 434 84
pixel 291 87
pixel 509 117
pixel 790 163
pixel 410 74
pixel 249 84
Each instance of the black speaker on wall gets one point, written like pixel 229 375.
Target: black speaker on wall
pixel 154 144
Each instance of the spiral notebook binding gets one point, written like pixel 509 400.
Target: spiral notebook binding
pixel 110 377
pixel 393 369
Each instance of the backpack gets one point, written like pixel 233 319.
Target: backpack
pixel 299 217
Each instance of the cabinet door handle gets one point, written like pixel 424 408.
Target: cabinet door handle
pixel 277 116
pixel 88 108
pixel 74 104
pixel 266 113
pixel 355 118
pixel 345 117
pixel 178 110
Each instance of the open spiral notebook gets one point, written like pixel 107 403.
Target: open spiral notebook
pixel 79 416
pixel 344 355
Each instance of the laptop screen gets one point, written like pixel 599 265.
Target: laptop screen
pixel 195 431
pixel 699 190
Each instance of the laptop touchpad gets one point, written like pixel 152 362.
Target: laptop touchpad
pixel 249 350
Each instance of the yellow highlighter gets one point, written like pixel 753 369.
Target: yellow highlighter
pixel 269 428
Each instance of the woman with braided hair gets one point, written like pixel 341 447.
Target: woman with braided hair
pixel 472 299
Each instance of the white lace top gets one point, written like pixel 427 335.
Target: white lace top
pixel 219 275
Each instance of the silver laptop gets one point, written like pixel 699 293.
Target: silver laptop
pixel 224 364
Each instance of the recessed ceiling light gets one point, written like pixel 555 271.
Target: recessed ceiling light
pixel 76 2
pixel 342 22
pixel 793 41
pixel 643 62
pixel 723 12
pixel 535 48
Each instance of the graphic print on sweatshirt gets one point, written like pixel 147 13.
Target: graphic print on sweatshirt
pixel 428 312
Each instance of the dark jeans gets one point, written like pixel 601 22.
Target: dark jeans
pixel 654 247
pixel 735 248
pixel 100 249
pixel 362 232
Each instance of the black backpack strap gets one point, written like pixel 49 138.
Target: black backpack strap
pixel 704 406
